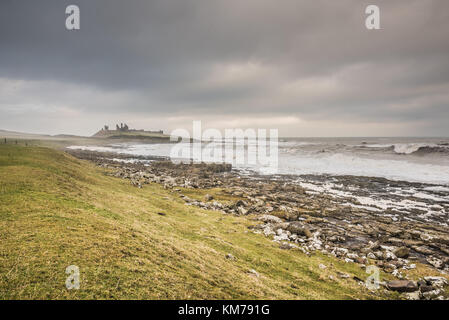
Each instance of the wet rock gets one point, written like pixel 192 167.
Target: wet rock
pixel 402 286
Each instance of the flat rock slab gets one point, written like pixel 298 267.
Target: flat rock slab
pixel 402 286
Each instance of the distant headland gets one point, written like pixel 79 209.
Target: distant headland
pixel 124 131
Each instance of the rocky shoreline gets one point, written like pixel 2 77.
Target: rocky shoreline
pixel 308 220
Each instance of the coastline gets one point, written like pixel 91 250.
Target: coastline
pixel 144 243
pixel 295 218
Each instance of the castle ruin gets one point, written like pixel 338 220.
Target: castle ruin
pixel 105 131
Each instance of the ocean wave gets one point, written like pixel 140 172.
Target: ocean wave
pixel 415 148
pixel 333 162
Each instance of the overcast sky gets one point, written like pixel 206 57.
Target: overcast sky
pixel 308 68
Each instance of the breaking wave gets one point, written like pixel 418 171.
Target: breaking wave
pixel 415 148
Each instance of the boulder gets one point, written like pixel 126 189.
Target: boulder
pixel 426 288
pixel 435 281
pixel 269 218
pixel 402 286
pixel 402 252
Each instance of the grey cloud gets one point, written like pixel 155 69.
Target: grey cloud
pixel 309 59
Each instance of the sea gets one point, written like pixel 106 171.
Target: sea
pixel 379 173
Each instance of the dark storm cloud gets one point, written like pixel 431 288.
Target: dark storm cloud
pixel 313 60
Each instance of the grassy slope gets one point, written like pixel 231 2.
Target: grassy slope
pixel 56 211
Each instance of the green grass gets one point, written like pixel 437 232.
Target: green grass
pixel 57 211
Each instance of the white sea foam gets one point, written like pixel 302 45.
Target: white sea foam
pixel 378 202
pixel 314 162
pixel 437 189
pixel 409 148
pixel 343 164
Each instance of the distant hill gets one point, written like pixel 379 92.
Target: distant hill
pixel 25 135
pixel 154 136
pixel 15 133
